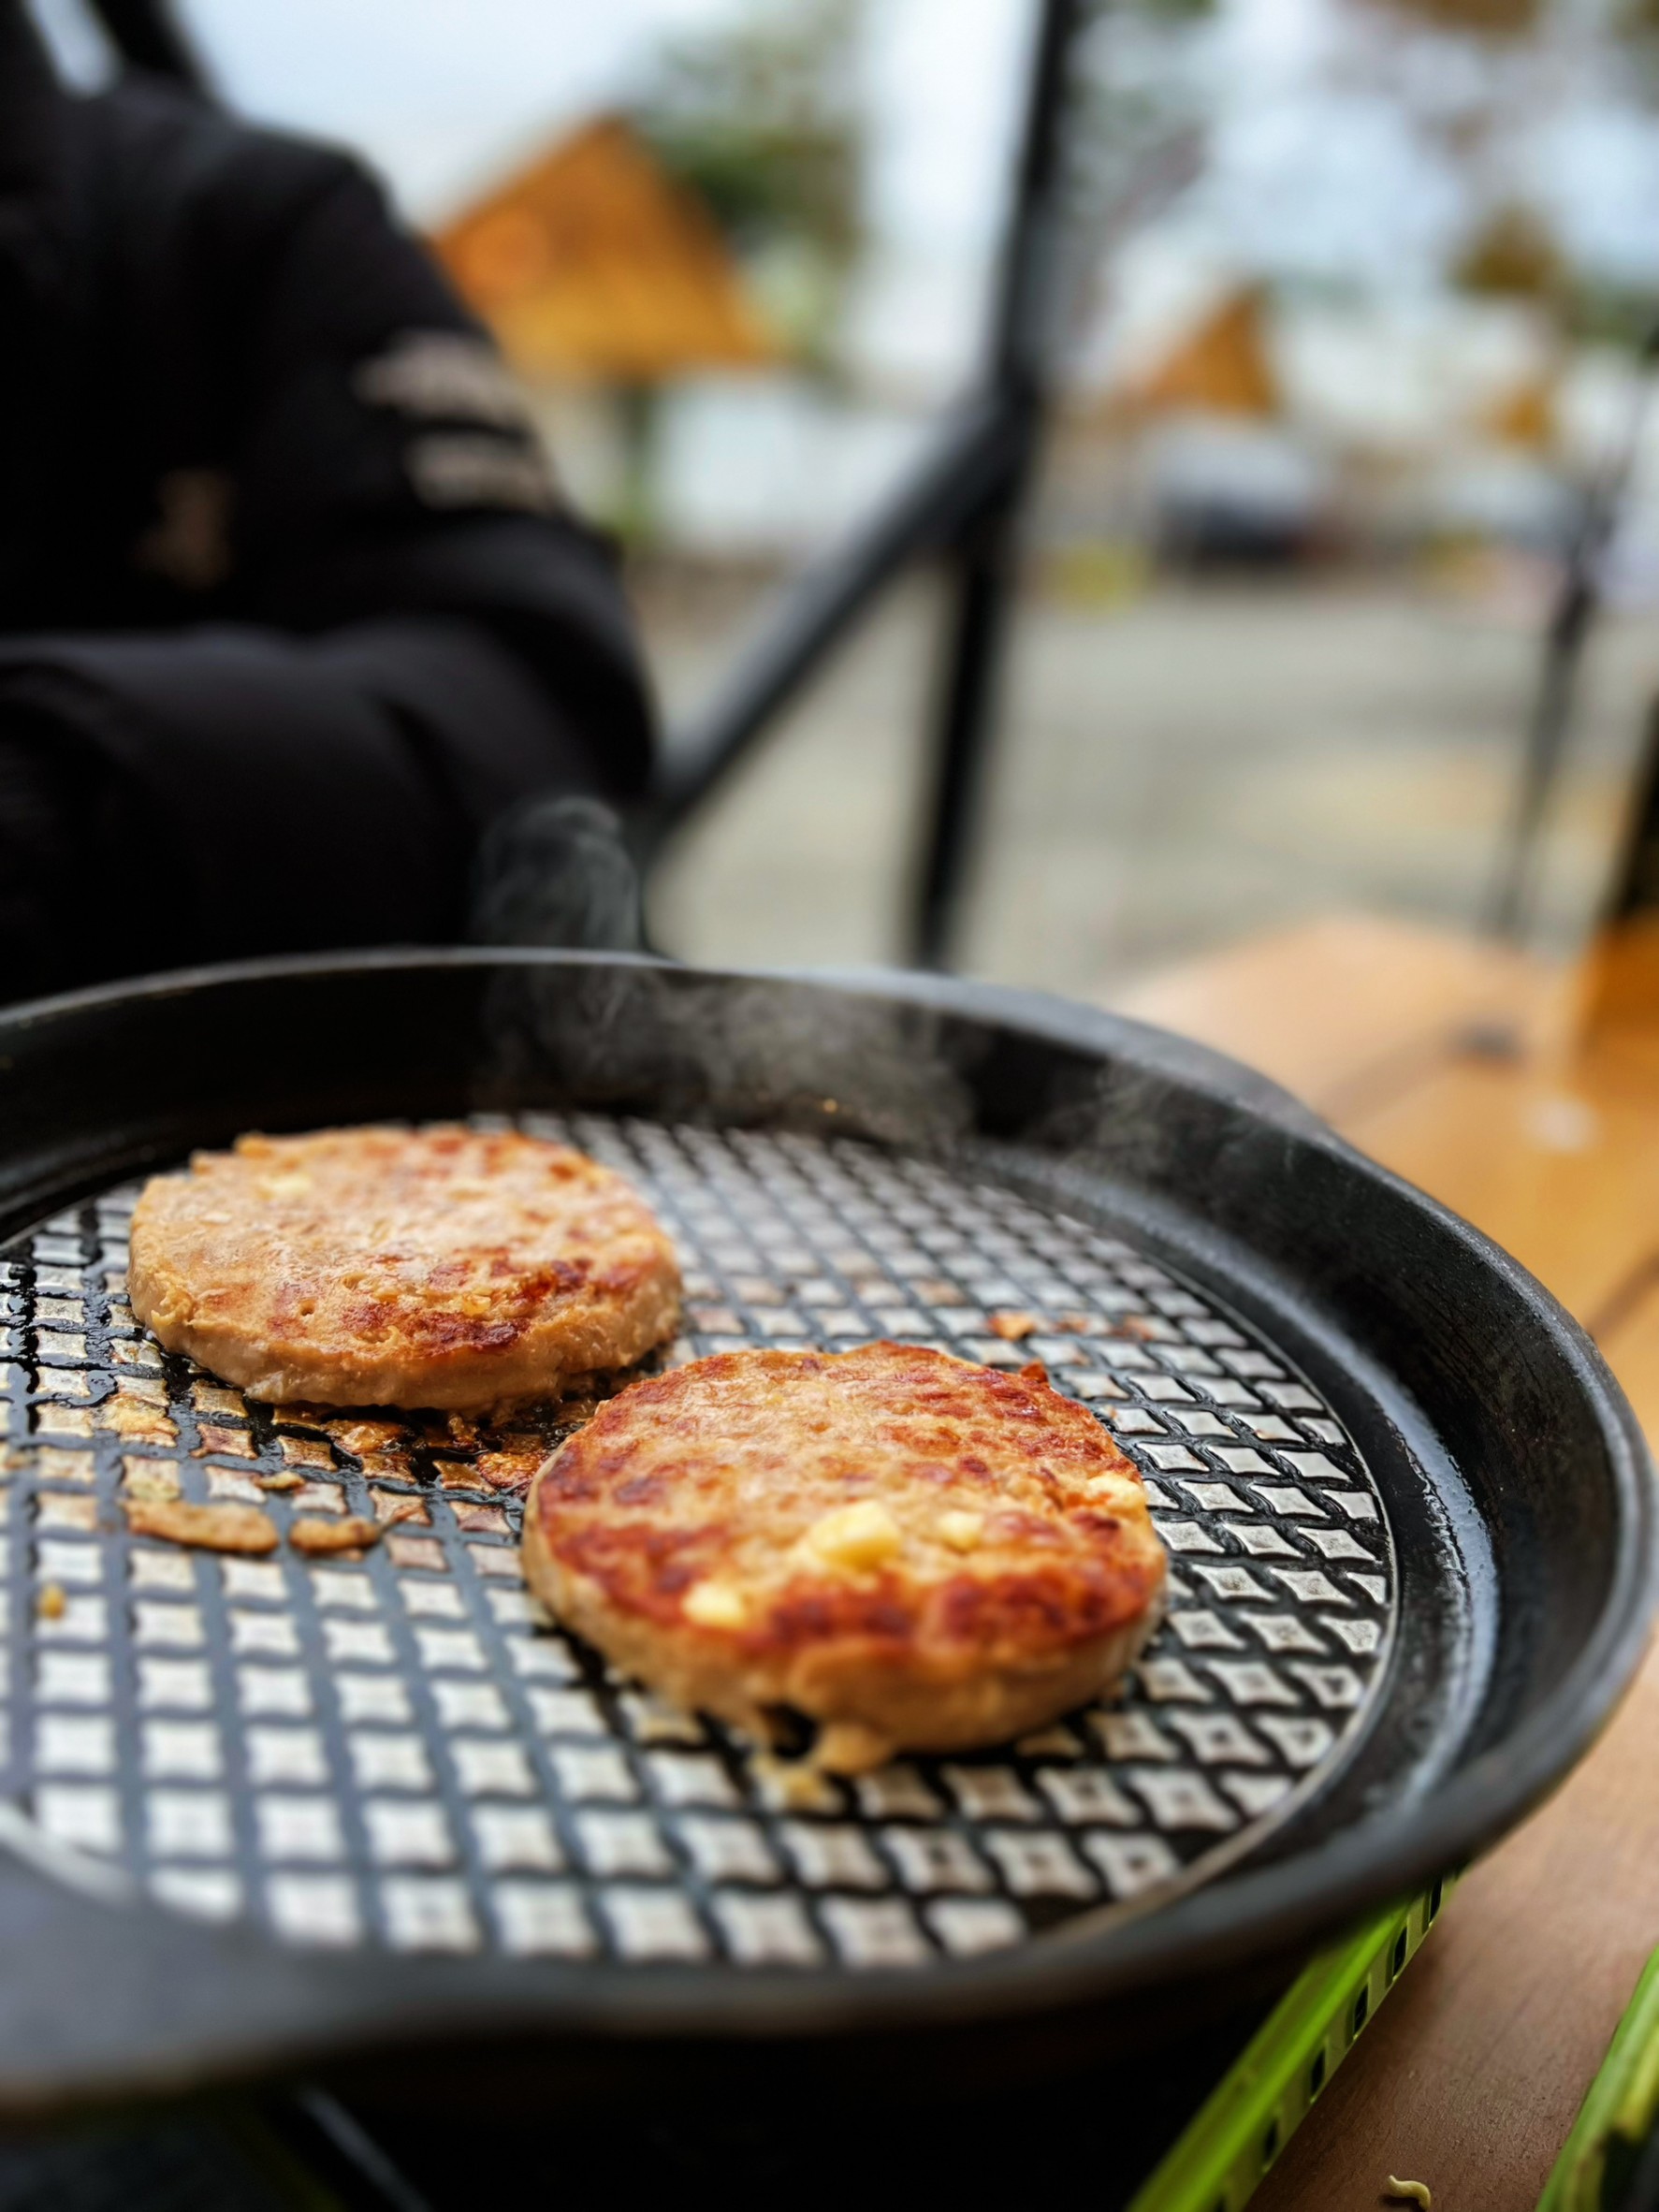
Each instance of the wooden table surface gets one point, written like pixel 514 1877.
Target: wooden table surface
pixel 1475 1073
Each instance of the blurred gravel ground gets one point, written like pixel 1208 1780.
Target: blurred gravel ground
pixel 1205 762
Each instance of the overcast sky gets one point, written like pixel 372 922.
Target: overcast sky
pixel 440 94
pixel 443 95
pixel 1319 163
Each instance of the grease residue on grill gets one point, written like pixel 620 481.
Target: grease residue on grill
pixel 400 1750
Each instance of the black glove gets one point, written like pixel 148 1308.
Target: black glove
pixel 64 880
pixel 229 792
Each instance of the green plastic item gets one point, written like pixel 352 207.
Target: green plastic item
pixel 1237 2137
pixel 1619 2113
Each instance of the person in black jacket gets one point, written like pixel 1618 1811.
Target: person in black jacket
pixel 297 636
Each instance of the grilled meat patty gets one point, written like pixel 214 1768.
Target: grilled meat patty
pixel 916 1553
pixel 395 1267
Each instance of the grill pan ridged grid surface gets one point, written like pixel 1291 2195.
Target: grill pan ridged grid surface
pixel 400 1750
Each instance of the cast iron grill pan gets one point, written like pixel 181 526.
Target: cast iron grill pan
pixel 377 1796
pixel 406 1751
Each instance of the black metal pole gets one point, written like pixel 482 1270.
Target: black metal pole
pixel 984 563
pixel 982 579
pixel 961 501
pixel 926 513
pixel 1571 620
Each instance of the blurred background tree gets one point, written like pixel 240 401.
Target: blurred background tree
pixel 763 120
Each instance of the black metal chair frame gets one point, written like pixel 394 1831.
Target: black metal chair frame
pixel 959 506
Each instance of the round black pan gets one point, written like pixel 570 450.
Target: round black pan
pixel 1513 1471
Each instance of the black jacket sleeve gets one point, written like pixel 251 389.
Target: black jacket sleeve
pixel 386 466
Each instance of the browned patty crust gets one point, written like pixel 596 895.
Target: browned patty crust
pixel 915 1551
pixel 395 1267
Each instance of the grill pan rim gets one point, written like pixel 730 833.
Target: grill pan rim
pixel 1272 1908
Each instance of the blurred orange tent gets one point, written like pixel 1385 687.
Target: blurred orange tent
pixel 1220 367
pixel 593 266
pixel 1527 417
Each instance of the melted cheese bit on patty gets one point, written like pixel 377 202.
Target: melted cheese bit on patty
pixel 857 1537
pixel 715 1605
